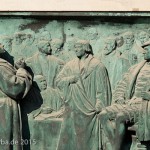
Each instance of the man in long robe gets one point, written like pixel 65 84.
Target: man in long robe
pixel 14 85
pixel 43 63
pixel 115 65
pixel 131 103
pixel 85 84
pixel 130 49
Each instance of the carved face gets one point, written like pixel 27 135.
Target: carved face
pixel 92 34
pixel 18 39
pixel 56 47
pixel 143 37
pixel 79 50
pixel 110 46
pixel 29 38
pixel 42 83
pixel 46 48
pixel 128 39
pixel 147 52
pixel 45 36
pixel 119 41
pixel 2 50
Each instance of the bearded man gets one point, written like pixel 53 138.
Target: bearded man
pixel 14 85
pixel 85 84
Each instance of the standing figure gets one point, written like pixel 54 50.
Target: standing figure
pixel 7 42
pixel 44 35
pixel 14 85
pixel 68 49
pixel 130 50
pixel 131 103
pixel 29 44
pixel 85 84
pixel 143 37
pixel 57 48
pixel 115 65
pixel 93 37
pixel 43 63
pixel 17 45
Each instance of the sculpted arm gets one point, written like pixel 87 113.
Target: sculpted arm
pixel 29 62
pixel 119 94
pixel 15 85
pixel 65 77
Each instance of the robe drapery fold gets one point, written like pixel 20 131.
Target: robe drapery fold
pixel 126 90
pixel 49 67
pixel 14 85
pixel 81 98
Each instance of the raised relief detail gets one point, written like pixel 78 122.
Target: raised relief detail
pixel 74 84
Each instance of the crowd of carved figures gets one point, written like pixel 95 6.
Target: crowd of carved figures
pixel 119 53
pixel 85 88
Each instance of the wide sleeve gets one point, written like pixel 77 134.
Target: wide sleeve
pixel 119 94
pixel 103 89
pixel 63 78
pixel 15 85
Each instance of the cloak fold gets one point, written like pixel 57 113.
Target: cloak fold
pixel 81 118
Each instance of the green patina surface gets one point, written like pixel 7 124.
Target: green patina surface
pixel 85 69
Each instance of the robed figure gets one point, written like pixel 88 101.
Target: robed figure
pixel 130 104
pixel 85 85
pixel 14 85
pixel 45 64
pixel 115 64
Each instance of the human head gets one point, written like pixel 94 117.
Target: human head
pixel 82 47
pixel 7 42
pixel 119 41
pixel 29 38
pixel 128 38
pixel 2 50
pixel 44 36
pixel 69 44
pixel 110 45
pixel 146 52
pixel 18 38
pixel 41 82
pixel 44 47
pixel 143 37
pixel 56 45
pixel 92 33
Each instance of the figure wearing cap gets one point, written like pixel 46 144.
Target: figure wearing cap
pixel 85 84
pixel 131 102
pixel 115 64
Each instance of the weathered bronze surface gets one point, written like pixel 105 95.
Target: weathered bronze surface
pixel 74 81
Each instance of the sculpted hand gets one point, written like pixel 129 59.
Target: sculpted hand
pixel 20 63
pixel 74 79
pixel 134 101
pixel 98 106
pixel 46 110
pixel 120 101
